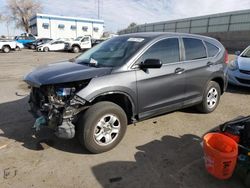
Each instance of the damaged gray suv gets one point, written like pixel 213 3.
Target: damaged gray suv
pixel 124 80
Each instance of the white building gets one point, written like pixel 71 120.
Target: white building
pixel 51 26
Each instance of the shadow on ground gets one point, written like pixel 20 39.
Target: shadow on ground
pixel 169 162
pixel 16 124
pixel 238 89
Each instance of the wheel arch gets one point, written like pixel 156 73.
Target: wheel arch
pixel 6 45
pixel 122 99
pixel 77 45
pixel 221 83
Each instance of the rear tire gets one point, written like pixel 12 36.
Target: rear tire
pixel 18 48
pixel 211 98
pixel 32 47
pixel 102 127
pixel 45 49
pixel 6 49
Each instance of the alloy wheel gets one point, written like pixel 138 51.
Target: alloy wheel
pixel 107 130
pixel 212 97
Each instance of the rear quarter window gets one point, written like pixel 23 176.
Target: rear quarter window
pixel 194 49
pixel 212 50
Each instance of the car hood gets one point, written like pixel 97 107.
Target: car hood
pixel 244 63
pixel 63 72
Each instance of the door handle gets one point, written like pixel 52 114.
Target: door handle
pixel 210 64
pixel 179 70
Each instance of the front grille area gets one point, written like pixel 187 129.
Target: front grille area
pixel 245 71
pixel 243 81
pixel 38 97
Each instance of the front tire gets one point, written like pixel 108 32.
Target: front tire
pixel 76 49
pixel 102 127
pixel 211 98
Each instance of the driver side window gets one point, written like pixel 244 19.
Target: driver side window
pixel 167 51
pixel 85 39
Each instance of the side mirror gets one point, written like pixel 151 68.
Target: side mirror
pixel 237 53
pixel 151 64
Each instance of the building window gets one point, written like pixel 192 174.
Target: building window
pixel 61 26
pixel 85 28
pixel 33 26
pixel 96 29
pixel 45 25
pixel 73 27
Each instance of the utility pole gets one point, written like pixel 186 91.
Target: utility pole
pixel 98 5
pixel 8 31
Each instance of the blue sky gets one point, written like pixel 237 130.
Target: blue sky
pixel 117 14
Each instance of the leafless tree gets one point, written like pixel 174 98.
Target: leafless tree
pixel 22 10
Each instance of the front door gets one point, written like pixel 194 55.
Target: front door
pixel 161 90
pixel 86 43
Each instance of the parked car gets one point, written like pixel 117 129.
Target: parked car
pixel 124 80
pixel 24 39
pixel 80 43
pixel 33 45
pixel 7 45
pixel 56 45
pixel 239 69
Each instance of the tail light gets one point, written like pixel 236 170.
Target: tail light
pixel 226 57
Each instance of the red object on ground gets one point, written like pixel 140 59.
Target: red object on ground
pixel 220 154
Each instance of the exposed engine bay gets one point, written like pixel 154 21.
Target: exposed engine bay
pixel 57 107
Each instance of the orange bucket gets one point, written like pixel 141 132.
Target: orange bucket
pixel 220 154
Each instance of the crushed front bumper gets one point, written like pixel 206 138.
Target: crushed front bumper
pixel 61 119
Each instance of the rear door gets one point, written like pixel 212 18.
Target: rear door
pixel 198 68
pixel 161 90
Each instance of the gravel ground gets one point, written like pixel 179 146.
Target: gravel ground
pixel 161 152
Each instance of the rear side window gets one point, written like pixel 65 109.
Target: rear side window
pixel 166 50
pixel 212 50
pixel 194 49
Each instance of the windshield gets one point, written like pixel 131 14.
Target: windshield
pixel 113 52
pixel 246 53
